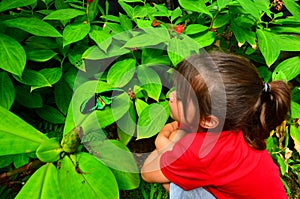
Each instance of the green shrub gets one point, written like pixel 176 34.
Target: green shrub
pixel 74 72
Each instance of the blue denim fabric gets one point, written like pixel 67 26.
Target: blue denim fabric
pixel 199 193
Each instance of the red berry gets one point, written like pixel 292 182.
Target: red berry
pixel 90 1
pixel 179 29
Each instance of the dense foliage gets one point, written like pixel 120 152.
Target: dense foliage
pixel 79 82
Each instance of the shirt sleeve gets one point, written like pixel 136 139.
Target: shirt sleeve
pixel 183 166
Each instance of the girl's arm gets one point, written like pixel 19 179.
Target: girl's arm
pixel 165 141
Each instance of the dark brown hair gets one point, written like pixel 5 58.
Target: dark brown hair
pixel 229 87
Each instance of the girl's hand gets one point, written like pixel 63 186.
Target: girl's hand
pixel 168 135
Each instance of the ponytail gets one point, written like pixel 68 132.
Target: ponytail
pixel 275 105
pixel 271 110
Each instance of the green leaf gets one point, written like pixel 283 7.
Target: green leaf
pixel 75 32
pixel 102 118
pixel 42 184
pixel 49 151
pixel 95 53
pixel 195 28
pixel 33 78
pixel 8 4
pixel 27 98
pixel 40 55
pixel 93 10
pixel 295 133
pixel 124 167
pixel 243 34
pixel 150 81
pixel 16 135
pixel 176 13
pixel 121 72
pixel 83 176
pixel 152 119
pixel 62 94
pixel 289 67
pixel 295 109
pixel 288 42
pixel 222 3
pixel 53 75
pixel 125 22
pixel 127 8
pixel 195 5
pixel 250 7
pixel 151 37
pixel 221 20
pixel 180 48
pixel 102 38
pixel 293 7
pixel 51 114
pixel 34 26
pixel 140 105
pixel 7 91
pixel 282 164
pixel 64 14
pixel 12 56
pixel 119 106
pixel 268 46
pixel 21 160
pixel 127 125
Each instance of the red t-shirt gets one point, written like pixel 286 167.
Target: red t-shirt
pixel 225 165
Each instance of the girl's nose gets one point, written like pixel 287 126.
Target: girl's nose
pixel 172 96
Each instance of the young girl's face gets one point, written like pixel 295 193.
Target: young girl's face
pixel 177 111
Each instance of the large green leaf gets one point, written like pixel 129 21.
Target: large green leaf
pixel 152 119
pixel 120 105
pixel 289 67
pixel 194 29
pixel 53 75
pixel 295 133
pixel 40 55
pixel 34 26
pixel 288 42
pixel 124 167
pixel 62 94
pixel 7 91
pixel 268 46
pixel 183 47
pixel 64 14
pixel 102 38
pixel 121 72
pixel 8 4
pixel 34 79
pixel 75 32
pixel 95 53
pixel 83 176
pixel 42 184
pixel 250 7
pixel 127 125
pixel 150 81
pixel 195 5
pixel 51 114
pixel 16 135
pixel 151 37
pixel 222 3
pixel 27 98
pixel 293 7
pixel 295 109
pixel 243 34
pixel 12 56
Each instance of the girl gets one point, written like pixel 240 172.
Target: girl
pixel 216 147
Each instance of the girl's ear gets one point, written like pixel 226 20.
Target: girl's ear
pixel 209 122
